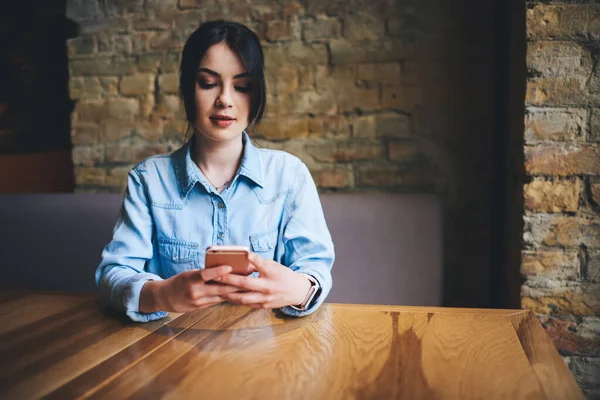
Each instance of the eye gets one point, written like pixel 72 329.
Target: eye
pixel 206 85
pixel 243 89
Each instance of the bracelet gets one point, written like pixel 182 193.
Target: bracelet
pixel 314 288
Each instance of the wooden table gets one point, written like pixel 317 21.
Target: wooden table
pixel 66 346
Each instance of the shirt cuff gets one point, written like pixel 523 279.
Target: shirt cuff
pixel 131 299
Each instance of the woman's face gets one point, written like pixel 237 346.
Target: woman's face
pixel 223 94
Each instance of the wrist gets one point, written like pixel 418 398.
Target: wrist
pixel 303 290
pixel 151 297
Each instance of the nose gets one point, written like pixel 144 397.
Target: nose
pixel 224 98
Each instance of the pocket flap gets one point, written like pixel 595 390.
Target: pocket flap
pixel 178 251
pixel 264 241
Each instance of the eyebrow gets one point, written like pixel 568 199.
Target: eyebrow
pixel 211 72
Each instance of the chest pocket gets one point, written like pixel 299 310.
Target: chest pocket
pixel 178 255
pixel 263 243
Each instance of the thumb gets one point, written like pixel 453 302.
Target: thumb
pixel 260 264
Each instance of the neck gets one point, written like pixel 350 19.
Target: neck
pixel 220 158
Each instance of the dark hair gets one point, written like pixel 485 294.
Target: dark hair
pixel 242 41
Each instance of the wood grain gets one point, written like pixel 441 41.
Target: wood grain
pixel 551 371
pixel 49 352
pixel 61 346
pixel 341 352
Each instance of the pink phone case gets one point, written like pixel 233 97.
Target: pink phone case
pixel 234 256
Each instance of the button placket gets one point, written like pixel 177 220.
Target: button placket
pixel 221 212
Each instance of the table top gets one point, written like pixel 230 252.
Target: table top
pixel 65 346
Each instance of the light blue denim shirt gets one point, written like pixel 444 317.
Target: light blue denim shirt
pixel 171 214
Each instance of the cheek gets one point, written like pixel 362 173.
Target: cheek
pixel 244 104
pixel 202 99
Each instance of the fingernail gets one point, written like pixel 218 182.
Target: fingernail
pixel 217 279
pixel 228 269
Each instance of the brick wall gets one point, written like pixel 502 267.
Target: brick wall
pixel 374 95
pixel 561 255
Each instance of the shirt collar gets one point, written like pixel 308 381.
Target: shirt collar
pixel 188 173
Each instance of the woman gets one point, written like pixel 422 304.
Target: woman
pixel 218 189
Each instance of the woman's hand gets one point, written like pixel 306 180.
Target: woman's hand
pixel 277 286
pixel 186 291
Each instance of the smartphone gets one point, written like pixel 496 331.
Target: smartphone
pixel 234 256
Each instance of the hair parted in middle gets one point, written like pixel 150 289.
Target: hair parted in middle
pixel 242 41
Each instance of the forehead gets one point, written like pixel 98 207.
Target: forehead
pixel 220 58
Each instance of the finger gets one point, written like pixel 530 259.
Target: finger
pixel 249 269
pixel 210 274
pixel 218 289
pixel 260 264
pixel 192 275
pixel 247 283
pixel 249 298
pixel 208 301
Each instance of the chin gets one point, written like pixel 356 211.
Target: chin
pixel 218 134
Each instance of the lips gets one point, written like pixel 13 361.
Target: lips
pixel 222 117
pixel 222 121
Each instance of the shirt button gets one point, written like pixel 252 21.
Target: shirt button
pixel 221 205
pixel 221 235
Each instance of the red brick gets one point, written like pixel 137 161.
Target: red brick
pixel 383 50
pixel 572 338
pixel 390 176
pixel 543 125
pixel 594 135
pixel 321 28
pixel 334 126
pixel 552 232
pixel 575 300
pixel 552 196
pixel 562 160
pixel 592 273
pixel 137 84
pixel 595 191
pixel 91 111
pixel 123 109
pixel 102 66
pixel 550 58
pixel 550 264
pixel 364 126
pixel 295 53
pixel 336 177
pixel 403 151
pixel 85 134
pixel 557 91
pixel 284 128
pixel 343 152
pixel 89 176
pixel 313 102
pixel 564 21
pixel 377 175
pixel 278 30
pixel 386 73
pixel 282 81
pixel 88 156
pixel 393 125
pixel 361 25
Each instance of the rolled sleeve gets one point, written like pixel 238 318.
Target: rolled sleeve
pixel 121 273
pixel 308 243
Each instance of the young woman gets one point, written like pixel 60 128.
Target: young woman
pixel 218 189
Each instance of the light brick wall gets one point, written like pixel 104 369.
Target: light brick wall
pixel 374 95
pixel 561 255
pixel 342 88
